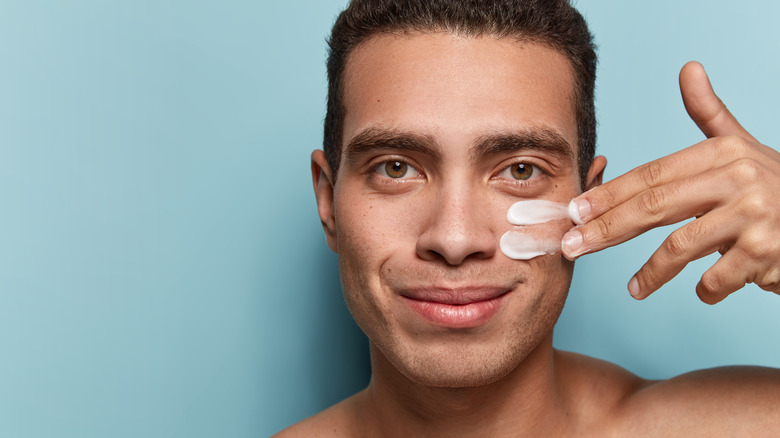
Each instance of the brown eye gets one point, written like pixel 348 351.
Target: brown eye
pixel 396 169
pixel 522 171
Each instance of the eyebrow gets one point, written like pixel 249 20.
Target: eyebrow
pixel 541 139
pixel 379 138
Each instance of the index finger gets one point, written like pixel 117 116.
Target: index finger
pixel 688 162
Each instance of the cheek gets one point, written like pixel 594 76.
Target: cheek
pixel 371 230
pixel 362 237
pixel 372 233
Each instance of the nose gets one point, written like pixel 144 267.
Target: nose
pixel 458 227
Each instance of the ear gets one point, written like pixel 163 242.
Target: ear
pixel 596 172
pixel 321 177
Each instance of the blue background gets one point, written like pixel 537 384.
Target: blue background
pixel 162 268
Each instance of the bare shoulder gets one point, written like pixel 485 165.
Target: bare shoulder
pixel 595 390
pixel 727 401
pixel 336 421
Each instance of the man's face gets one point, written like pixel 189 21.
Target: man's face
pixel 442 134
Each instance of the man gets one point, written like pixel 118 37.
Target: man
pixel 442 114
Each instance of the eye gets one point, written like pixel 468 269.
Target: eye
pixel 521 171
pixel 396 169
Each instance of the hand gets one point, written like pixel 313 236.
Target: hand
pixel 730 183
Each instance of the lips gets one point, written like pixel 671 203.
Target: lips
pixel 456 296
pixel 467 307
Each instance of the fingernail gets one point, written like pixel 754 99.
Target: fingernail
pixel 572 242
pixel 633 287
pixel 578 210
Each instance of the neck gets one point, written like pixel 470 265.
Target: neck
pixel 527 400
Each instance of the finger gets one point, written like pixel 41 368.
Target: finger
pixel 728 275
pixel 694 160
pixel 770 280
pixel 703 105
pixel 762 251
pixel 658 206
pixel 694 240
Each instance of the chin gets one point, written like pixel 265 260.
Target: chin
pixel 459 376
pixel 462 364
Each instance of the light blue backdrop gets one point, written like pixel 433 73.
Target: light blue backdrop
pixel 162 268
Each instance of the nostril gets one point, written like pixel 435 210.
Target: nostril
pixel 459 226
pixel 455 248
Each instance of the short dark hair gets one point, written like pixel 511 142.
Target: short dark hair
pixel 554 23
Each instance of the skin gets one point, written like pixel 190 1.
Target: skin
pixel 438 227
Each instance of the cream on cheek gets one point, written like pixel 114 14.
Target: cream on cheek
pixel 533 237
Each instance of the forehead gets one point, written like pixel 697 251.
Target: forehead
pixel 458 88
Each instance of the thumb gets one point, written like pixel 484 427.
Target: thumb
pixel 703 105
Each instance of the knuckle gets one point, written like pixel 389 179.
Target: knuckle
pixel 651 174
pixel 730 145
pixel 755 245
pixel 603 227
pixel 677 244
pixel 650 274
pixel 756 203
pixel 653 203
pixel 611 193
pixel 770 281
pixel 720 147
pixel 694 230
pixel 684 240
pixel 734 142
pixel 746 170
